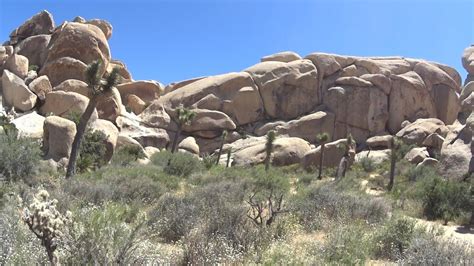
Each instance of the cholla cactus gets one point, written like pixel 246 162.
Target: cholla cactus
pixel 45 221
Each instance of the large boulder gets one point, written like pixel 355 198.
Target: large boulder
pixel 333 152
pixel 285 57
pixel 34 48
pixel 234 94
pixel 109 105
pixel 125 75
pixel 147 90
pixel 146 136
pixel 286 151
pixel 74 85
pixel 380 142
pixel 30 125
pixel 103 25
pixel 308 126
pixel 65 104
pixel 457 160
pixel 417 155
pixel 135 104
pixel 377 156
pixel 16 93
pixel 288 90
pixel 40 86
pixel 83 42
pixel 209 123
pixel 419 130
pixel 18 65
pixel 111 132
pixel 62 69
pixel 468 59
pixel 58 136
pixel 189 145
pixel 41 23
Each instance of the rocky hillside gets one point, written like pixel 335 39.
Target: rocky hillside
pixel 422 102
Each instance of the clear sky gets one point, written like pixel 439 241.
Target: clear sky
pixel 176 39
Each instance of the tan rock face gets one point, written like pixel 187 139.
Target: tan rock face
pixel 189 144
pixel 58 137
pixel 287 89
pixel 285 57
pixel 309 126
pixel 209 123
pixel 34 48
pixel 16 93
pixel 146 90
pixel 41 86
pixel 62 69
pixel 123 71
pixel 155 137
pixel 286 151
pixel 64 104
pixel 18 65
pixel 41 23
pixel 136 104
pixel 234 94
pixel 103 25
pixel 457 152
pixel 468 59
pixel 74 85
pixel 109 105
pixel 418 131
pixel 380 142
pixel 30 125
pixel 333 152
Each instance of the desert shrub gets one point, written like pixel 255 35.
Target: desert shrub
pixel 443 199
pixel 143 184
pixel 348 244
pixel 320 205
pixel 367 164
pixel 394 238
pixel 20 157
pixel 414 173
pixel 293 253
pixel 177 164
pixel 426 248
pixel 209 161
pixel 127 155
pixel 92 151
pixel 33 68
pixel 106 235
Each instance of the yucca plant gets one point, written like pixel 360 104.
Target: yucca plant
pixel 229 153
pixel 322 139
pixel 394 156
pixel 271 136
pixel 184 117
pixel 98 85
pixel 224 136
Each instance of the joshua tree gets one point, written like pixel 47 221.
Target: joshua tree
pixel 229 152
pixel 224 136
pixel 269 148
pixel 394 156
pixel 345 162
pixel 184 117
pixel 322 139
pixel 97 86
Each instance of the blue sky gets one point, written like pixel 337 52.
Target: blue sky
pixel 176 39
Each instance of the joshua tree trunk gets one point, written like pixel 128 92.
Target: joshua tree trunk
pixel 393 161
pixel 342 167
pixel 175 140
pixel 321 159
pixel 267 161
pixel 81 128
pixel 220 152
pixel 228 158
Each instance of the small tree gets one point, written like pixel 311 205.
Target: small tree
pixel 229 153
pixel 97 86
pixel 224 136
pixel 45 221
pixel 269 148
pixel 394 156
pixel 184 117
pixel 345 162
pixel 322 139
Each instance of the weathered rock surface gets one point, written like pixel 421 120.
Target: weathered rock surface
pixel 16 93
pixel 284 57
pixel 416 132
pixel 146 90
pixel 286 151
pixel 30 125
pixel 41 23
pixel 18 65
pixel 377 156
pixel 333 152
pixel 189 144
pixel 288 90
pixel 380 142
pixel 34 48
pixel 58 137
pixel 62 69
pixel 468 59
pixel 417 155
pixel 40 86
pixel 64 104
pixel 111 132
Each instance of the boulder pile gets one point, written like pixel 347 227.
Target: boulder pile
pixel 370 98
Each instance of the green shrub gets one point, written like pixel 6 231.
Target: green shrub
pixel 367 164
pixel 321 205
pixel 444 199
pixel 20 157
pixel 209 161
pixel 92 152
pixel 127 155
pixel 111 234
pixel 394 238
pixel 178 164
pixel 348 244
pixel 142 184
